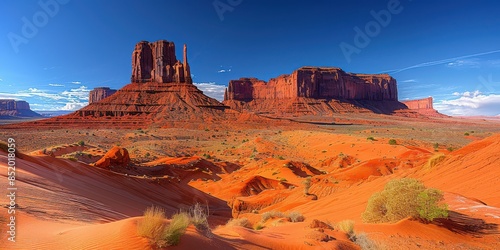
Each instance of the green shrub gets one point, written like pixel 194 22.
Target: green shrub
pixel 400 199
pixel 435 146
pixel 81 143
pixel 429 207
pixel 370 138
pixel 258 226
pixel 177 227
pixel 392 142
pixel 466 134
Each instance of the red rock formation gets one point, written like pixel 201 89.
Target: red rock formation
pixel 100 93
pixel 117 156
pixel 423 106
pixel 316 83
pixel 13 108
pixel 156 62
pixel 161 93
pixel 311 90
pixel 425 103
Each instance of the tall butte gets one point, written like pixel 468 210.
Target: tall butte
pixel 161 91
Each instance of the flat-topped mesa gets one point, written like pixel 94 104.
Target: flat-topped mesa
pixel 425 103
pixel 156 62
pixel 316 83
pixel 100 93
pixel 423 106
pixel 13 108
pixel 10 104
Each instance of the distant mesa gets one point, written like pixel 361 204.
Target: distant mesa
pixel 11 109
pixel 315 90
pixel 424 107
pixel 100 93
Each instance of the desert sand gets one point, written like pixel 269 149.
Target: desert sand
pixel 245 171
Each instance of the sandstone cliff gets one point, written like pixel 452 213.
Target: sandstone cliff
pixel 314 90
pixel 12 108
pixel 423 106
pixel 100 93
pixel 156 62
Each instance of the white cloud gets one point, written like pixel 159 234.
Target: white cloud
pixel 470 104
pixel 224 70
pixel 56 85
pixel 440 62
pixel 211 89
pixel 76 82
pixel 67 100
pixel 1 80
pixel 71 106
pixel 465 63
pixel 409 80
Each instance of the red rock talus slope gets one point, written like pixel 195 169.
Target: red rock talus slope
pixel 423 106
pixel 313 90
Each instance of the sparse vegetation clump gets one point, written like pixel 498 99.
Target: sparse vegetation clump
pixel 435 146
pixel 177 227
pixel 346 226
pixel 81 143
pixel 370 138
pixel 393 142
pixel 466 134
pixel 403 198
pixel 239 222
pixel 295 216
pixel 434 160
pixel 307 185
pixel 152 224
pixel 271 215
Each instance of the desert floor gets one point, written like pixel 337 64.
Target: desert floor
pixel 246 169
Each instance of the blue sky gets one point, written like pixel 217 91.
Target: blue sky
pixel 449 50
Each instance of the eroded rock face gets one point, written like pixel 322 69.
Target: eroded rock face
pixel 316 83
pixel 425 103
pixel 100 93
pixel 161 91
pixel 423 106
pixel 315 91
pixel 156 62
pixel 8 104
pixel 116 156
pixel 13 108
